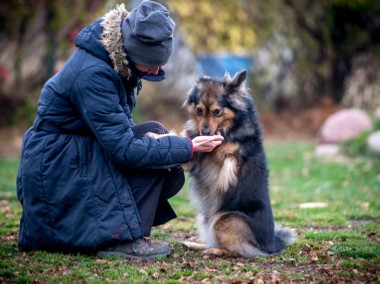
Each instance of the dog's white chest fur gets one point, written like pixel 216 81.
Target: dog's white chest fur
pixel 228 175
pixel 213 178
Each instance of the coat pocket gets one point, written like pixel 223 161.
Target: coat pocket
pixel 83 155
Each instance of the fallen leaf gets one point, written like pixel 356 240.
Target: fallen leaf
pixel 313 205
pixel 142 271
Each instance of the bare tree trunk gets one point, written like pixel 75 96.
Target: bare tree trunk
pixel 51 39
pixel 19 56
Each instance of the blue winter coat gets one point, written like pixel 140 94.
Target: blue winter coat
pixel 70 184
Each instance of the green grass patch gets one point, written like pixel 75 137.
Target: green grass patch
pixel 8 174
pixel 358 146
pixel 339 231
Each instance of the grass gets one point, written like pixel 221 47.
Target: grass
pixel 339 242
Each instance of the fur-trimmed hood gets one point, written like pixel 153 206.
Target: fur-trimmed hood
pixel 112 39
pixel 103 39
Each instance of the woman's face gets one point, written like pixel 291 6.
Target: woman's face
pixel 145 69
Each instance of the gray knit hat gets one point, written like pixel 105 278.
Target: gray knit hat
pixel 148 34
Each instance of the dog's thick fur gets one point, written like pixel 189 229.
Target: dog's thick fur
pixel 229 186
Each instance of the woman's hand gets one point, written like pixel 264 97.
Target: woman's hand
pixel 206 143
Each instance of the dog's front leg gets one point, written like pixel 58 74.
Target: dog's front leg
pixel 194 245
pixel 157 136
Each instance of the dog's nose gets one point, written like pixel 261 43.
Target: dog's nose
pixel 206 131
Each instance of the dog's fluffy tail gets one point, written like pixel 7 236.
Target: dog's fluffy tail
pixel 283 236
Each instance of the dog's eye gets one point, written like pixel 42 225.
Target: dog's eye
pixel 217 112
pixel 199 111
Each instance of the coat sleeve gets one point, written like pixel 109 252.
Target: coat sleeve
pixel 96 96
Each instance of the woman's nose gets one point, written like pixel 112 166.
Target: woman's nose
pixel 154 70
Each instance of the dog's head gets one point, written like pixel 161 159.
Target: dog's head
pixel 213 105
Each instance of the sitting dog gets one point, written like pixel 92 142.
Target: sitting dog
pixel 229 186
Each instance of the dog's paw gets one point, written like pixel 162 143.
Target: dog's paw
pixel 153 135
pixel 157 136
pixel 188 166
pixel 194 246
pixel 216 252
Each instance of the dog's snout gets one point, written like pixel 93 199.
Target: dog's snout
pixel 206 131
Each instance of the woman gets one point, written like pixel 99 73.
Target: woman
pixel 89 178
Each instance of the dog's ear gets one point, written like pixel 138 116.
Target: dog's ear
pixel 192 97
pixel 227 77
pixel 236 82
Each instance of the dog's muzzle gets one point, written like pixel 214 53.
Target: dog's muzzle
pixel 206 131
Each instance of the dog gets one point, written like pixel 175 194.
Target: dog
pixel 229 186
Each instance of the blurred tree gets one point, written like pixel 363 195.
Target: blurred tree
pixel 34 34
pixel 302 50
pixel 324 38
pixel 214 25
pixel 306 48
pixel 327 39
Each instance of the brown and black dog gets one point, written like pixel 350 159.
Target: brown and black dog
pixel 229 186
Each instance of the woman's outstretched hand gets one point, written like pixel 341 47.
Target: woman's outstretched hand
pixel 206 143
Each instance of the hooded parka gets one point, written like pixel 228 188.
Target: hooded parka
pixel 70 181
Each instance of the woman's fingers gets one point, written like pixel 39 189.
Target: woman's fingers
pixel 206 143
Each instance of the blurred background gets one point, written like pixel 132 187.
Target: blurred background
pixel 307 60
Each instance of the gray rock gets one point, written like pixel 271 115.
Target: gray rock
pixel 373 142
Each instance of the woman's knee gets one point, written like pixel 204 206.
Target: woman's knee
pixel 174 181
pixel 158 128
pixel 149 126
